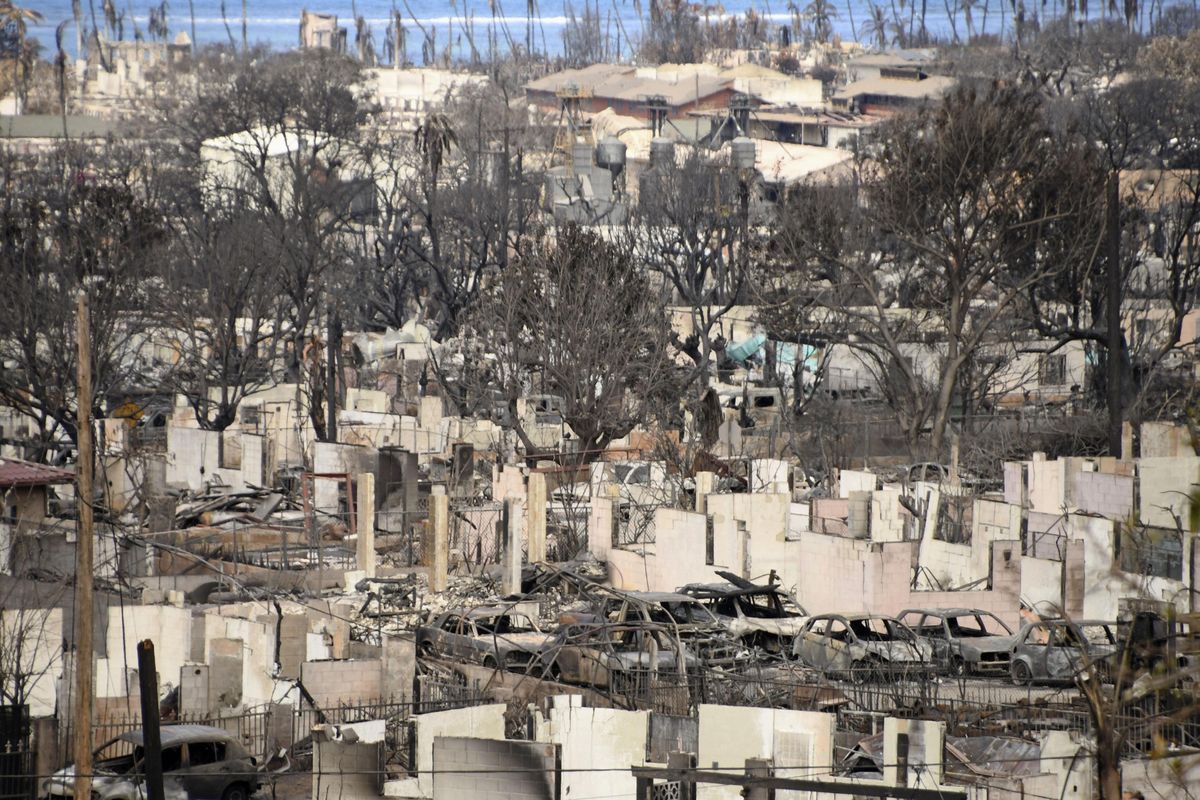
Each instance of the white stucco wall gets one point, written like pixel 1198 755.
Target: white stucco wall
pixel 596 738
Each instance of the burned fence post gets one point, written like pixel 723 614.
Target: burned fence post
pixel 151 736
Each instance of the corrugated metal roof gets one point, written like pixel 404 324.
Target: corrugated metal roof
pixel 14 472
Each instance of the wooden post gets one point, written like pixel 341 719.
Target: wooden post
pixel 1113 311
pixel 82 734
pixel 151 735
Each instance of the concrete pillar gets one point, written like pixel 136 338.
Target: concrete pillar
pixel 512 547
pixel 437 552
pixel 1127 441
pixel 399 668
pixel 706 482
pixel 193 689
pixel 364 507
pixel 225 672
pixel 535 525
pixel 859 518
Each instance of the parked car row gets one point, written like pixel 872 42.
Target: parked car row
pixel 722 624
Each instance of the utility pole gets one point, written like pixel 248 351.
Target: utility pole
pixel 151 734
pixel 1116 415
pixel 82 736
pixel 332 350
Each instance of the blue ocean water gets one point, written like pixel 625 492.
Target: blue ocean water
pixel 276 22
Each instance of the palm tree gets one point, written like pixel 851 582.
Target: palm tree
pixel 877 25
pixel 16 20
pixel 157 24
pixel 821 13
pixel 967 7
pixel 192 15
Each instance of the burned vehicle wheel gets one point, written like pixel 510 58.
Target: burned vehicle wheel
pixel 958 667
pixel 238 791
pixel 1020 674
pixel 426 649
pixel 489 662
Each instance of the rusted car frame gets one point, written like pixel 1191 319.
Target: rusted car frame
pixel 498 637
pixel 965 641
pixel 862 647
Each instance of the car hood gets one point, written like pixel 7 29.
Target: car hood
pixel 778 626
pixel 901 651
pixel 106 783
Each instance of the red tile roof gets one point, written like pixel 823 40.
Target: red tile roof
pixel 26 473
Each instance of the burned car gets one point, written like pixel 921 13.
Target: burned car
pixel 199 762
pixel 760 616
pixel 617 657
pixel 862 647
pixel 1061 651
pixel 684 616
pixel 966 641
pixel 494 636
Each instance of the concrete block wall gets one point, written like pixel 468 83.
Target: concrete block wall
pixel 858 514
pixel 1105 494
pixel 255 654
pixel 346 770
pixel 351 681
pixel 1046 535
pixel 491 769
pixel 595 738
pixel 1041 584
pixel 482 722
pixel 293 634
pixel 851 480
pixel 829 515
pixel 225 673
pixel 887 516
pixel 841 580
pixel 193 689
pixel 1047 485
pixel 1165 439
pixel 170 629
pixel 193 457
pixel 600 528
pixel 800 742
pixel 1014 482
pixel 1164 488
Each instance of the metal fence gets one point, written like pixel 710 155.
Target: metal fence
pixel 16 754
pixel 254 727
pixel 968 709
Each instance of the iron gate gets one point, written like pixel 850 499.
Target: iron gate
pixel 17 781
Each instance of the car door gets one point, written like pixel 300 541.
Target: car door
pixel 935 630
pixel 464 642
pixel 442 642
pixel 1064 653
pixel 594 656
pixel 205 774
pixel 174 771
pixel 810 643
